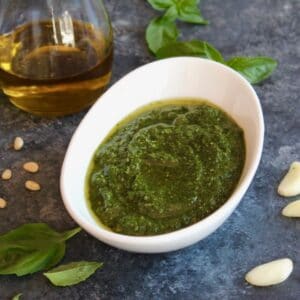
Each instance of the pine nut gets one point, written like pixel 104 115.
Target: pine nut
pixel 18 143
pixel 6 174
pixel 31 167
pixel 32 186
pixel 3 203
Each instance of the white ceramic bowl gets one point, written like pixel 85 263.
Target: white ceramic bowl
pixel 170 78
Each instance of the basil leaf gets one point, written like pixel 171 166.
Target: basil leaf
pixel 254 69
pixel 69 234
pixel 212 53
pixel 192 48
pixel 184 10
pixel 17 297
pixel 161 4
pixel 30 234
pixel 72 273
pixel 171 14
pixel 28 262
pixel 161 32
pixel 31 248
pixel 188 11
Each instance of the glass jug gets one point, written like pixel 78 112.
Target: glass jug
pixel 55 55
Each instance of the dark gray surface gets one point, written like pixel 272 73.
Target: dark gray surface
pixel 255 233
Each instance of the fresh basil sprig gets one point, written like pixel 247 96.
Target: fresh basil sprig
pixel 254 69
pixel 162 35
pixel 72 273
pixel 31 248
pixel 184 10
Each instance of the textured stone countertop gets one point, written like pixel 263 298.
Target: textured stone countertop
pixel 256 232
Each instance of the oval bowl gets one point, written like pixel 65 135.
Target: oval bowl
pixel 162 80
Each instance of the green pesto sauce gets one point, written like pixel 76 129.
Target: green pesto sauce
pixel 166 166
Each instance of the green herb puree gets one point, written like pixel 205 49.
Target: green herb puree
pixel 165 167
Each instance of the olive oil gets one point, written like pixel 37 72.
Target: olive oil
pixel 54 68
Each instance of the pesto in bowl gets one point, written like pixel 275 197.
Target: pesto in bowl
pixel 164 167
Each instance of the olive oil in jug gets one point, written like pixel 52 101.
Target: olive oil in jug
pixel 55 68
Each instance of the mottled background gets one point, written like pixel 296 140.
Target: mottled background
pixel 256 232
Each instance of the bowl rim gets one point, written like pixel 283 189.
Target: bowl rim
pixel 111 237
